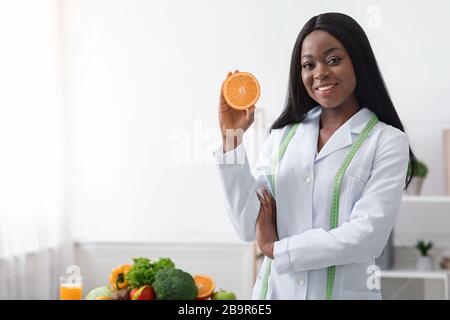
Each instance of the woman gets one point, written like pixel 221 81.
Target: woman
pixel 330 175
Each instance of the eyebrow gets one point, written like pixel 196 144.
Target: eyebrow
pixel 325 52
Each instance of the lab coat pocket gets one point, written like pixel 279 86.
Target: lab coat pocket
pixel 360 173
pixel 357 182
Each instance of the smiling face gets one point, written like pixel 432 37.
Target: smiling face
pixel 327 71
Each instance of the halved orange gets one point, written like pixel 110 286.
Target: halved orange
pixel 205 286
pixel 241 90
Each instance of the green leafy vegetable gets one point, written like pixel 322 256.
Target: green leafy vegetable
pixel 143 271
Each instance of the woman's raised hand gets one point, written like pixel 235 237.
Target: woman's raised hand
pixel 233 123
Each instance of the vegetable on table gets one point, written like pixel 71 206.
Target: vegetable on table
pixel 100 292
pixel 122 294
pixel 117 278
pixel 174 284
pixel 143 271
pixel 144 293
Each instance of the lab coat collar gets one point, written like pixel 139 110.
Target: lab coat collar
pixel 342 137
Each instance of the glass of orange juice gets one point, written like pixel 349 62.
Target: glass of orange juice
pixel 70 288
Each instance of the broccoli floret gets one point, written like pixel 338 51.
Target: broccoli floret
pixel 174 284
pixel 163 263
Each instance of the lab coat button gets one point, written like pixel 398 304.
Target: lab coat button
pixel 308 179
pixel 301 282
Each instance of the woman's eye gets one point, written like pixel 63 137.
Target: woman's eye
pixel 308 65
pixel 334 60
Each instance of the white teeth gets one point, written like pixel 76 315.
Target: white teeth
pixel 326 88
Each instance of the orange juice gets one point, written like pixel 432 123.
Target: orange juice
pixel 70 291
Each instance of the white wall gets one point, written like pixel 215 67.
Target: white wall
pixel 140 73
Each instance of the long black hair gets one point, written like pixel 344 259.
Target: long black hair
pixel 370 90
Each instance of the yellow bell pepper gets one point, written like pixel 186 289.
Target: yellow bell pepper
pixel 117 277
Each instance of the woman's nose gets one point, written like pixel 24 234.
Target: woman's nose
pixel 321 72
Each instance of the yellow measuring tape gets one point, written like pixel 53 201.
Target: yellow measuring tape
pixel 334 217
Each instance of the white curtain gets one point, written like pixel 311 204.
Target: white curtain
pixel 35 244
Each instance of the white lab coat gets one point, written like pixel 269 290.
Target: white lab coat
pixel 370 197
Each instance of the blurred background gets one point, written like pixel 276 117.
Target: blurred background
pixel 108 121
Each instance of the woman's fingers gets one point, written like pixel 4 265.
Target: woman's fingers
pixel 263 201
pixel 250 114
pixel 222 98
pixel 266 200
pixel 267 197
pixel 259 197
pixel 272 205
